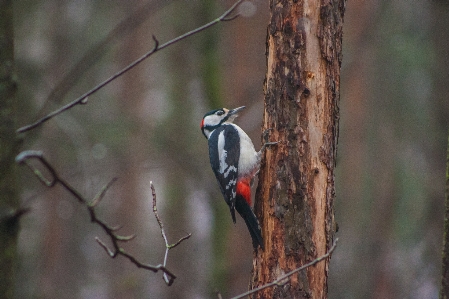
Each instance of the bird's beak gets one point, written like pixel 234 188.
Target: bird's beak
pixel 236 110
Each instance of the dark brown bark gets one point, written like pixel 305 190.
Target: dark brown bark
pixel 296 191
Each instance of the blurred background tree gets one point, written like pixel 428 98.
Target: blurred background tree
pixel 9 199
pixel 390 169
pixel 145 126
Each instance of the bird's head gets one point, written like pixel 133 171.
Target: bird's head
pixel 215 118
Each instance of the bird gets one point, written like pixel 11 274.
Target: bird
pixel 235 163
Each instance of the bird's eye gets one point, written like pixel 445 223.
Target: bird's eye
pixel 220 112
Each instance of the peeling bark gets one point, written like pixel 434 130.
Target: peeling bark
pixel 294 199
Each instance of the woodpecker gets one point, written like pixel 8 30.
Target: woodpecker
pixel 234 162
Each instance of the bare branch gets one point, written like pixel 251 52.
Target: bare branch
pixel 161 225
pixel 180 240
pixel 156 43
pixel 116 228
pixel 125 238
pixel 159 221
pixel 24 157
pixel 83 98
pixel 106 248
pixel 102 192
pixel 284 278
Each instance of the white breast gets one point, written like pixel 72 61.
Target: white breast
pixel 248 163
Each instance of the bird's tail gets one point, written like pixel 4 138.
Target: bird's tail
pixel 251 221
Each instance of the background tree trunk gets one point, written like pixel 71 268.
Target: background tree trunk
pixel 9 199
pixel 444 291
pixel 440 31
pixel 295 196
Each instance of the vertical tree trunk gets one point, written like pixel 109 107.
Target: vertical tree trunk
pixel 8 149
pixel 294 200
pixel 444 291
pixel 440 35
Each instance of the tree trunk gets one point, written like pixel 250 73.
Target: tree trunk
pixel 444 291
pixel 294 200
pixel 440 35
pixel 9 198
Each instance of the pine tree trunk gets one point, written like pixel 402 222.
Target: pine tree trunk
pixel 294 200
pixel 8 149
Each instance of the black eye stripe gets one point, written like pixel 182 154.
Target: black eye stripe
pixel 212 112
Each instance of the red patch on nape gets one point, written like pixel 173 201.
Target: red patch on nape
pixel 244 190
pixel 202 124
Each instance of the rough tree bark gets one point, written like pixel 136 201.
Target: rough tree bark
pixel 9 214
pixel 294 200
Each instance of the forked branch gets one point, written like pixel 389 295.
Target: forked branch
pixel 161 225
pixel 54 179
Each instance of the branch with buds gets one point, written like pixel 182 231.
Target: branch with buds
pixel 54 179
pixel 167 245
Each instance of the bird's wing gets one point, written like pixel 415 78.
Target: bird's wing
pixel 224 152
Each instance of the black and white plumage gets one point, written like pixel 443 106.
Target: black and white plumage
pixel 234 162
pixel 224 161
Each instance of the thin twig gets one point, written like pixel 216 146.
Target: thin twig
pixel 179 241
pixel 279 280
pixel 93 54
pixel 83 98
pixel 102 192
pixel 161 226
pixel 24 157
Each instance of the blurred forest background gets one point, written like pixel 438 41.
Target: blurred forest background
pixel 145 127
